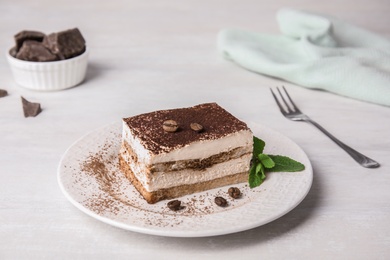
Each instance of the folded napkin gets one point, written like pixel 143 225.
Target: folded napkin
pixel 316 51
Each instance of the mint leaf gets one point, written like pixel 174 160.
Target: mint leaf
pixel 262 175
pixel 266 160
pixel 285 164
pixel 259 168
pixel 254 177
pixel 263 163
pixel 258 146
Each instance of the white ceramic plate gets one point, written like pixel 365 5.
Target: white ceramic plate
pixel 89 177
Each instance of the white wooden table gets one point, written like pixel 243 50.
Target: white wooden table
pixel 148 55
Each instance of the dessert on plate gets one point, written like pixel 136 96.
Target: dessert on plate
pixel 171 153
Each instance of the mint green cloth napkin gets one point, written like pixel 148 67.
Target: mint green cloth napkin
pixel 316 51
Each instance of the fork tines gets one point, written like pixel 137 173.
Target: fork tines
pixel 287 107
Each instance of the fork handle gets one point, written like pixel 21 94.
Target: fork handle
pixel 358 157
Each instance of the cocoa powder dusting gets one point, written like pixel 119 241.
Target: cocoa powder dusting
pixel 115 195
pixel 212 122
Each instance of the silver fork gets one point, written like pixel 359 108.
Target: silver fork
pixel 291 111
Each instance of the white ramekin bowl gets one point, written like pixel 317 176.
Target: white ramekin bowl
pixel 49 76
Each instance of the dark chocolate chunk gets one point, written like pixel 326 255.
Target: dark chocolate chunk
pixel 27 35
pixel 35 51
pixel 13 52
pixel 3 93
pixel 30 109
pixel 65 44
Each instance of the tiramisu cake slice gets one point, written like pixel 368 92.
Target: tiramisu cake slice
pixel 170 153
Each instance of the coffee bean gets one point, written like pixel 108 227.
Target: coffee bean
pixel 220 201
pixel 234 192
pixel 170 126
pixel 174 205
pixel 196 127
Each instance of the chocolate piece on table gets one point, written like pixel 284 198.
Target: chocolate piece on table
pixel 65 44
pixel 27 35
pixel 35 51
pixel 30 109
pixel 3 93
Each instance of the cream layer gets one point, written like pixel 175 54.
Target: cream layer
pixel 196 150
pixel 162 180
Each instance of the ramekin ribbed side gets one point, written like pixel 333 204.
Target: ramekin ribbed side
pixel 49 76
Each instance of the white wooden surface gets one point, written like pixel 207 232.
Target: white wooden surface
pixel 148 55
